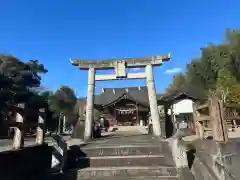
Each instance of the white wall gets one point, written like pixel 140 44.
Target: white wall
pixel 183 106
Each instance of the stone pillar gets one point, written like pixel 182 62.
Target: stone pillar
pixel 162 120
pixel 40 127
pixel 59 124
pixel 219 127
pixel 18 139
pixel 90 103
pixel 64 124
pixel 153 100
pixel 179 153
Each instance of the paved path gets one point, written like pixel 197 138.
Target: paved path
pixel 110 137
pixel 6 144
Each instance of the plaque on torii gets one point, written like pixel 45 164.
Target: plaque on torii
pixel 120 66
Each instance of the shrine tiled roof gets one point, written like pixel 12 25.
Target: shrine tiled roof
pixel 177 95
pixel 111 95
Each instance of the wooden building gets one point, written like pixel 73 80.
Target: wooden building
pixel 124 106
pixel 177 106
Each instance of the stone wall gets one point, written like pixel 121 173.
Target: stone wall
pixel 216 160
pixel 29 163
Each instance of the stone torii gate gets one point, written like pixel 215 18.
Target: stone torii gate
pixel 120 66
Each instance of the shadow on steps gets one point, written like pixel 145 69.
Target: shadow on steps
pixel 73 156
pixel 190 157
pixel 71 167
pixel 65 176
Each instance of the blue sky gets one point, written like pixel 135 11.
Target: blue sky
pixel 53 31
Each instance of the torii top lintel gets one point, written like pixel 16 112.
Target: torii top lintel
pixel 129 62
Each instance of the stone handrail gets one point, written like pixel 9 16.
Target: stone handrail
pixel 232 176
pixel 192 162
pixel 179 151
pixel 216 158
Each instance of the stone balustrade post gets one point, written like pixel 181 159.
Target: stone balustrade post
pixel 18 139
pixel 178 151
pixel 219 126
pixel 40 127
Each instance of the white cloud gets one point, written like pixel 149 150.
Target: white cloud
pixel 173 71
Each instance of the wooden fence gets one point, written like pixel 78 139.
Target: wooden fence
pixel 216 119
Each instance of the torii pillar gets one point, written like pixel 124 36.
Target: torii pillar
pixel 90 104
pixel 120 66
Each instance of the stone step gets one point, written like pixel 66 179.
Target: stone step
pixel 117 161
pixel 141 178
pixel 127 140
pixel 124 150
pixel 139 154
pixel 127 172
pixel 73 176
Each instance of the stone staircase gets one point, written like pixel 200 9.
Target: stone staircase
pixel 128 158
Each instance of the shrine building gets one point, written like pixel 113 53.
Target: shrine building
pixel 124 106
pixel 130 105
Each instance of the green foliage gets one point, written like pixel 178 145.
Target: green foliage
pixel 217 70
pixel 63 101
pixel 21 83
pixel 178 81
pixel 46 95
pixel 17 79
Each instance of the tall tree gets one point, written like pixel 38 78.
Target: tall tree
pixel 179 81
pixel 216 70
pixel 63 100
pixel 233 40
pixel 18 78
pixel 62 103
